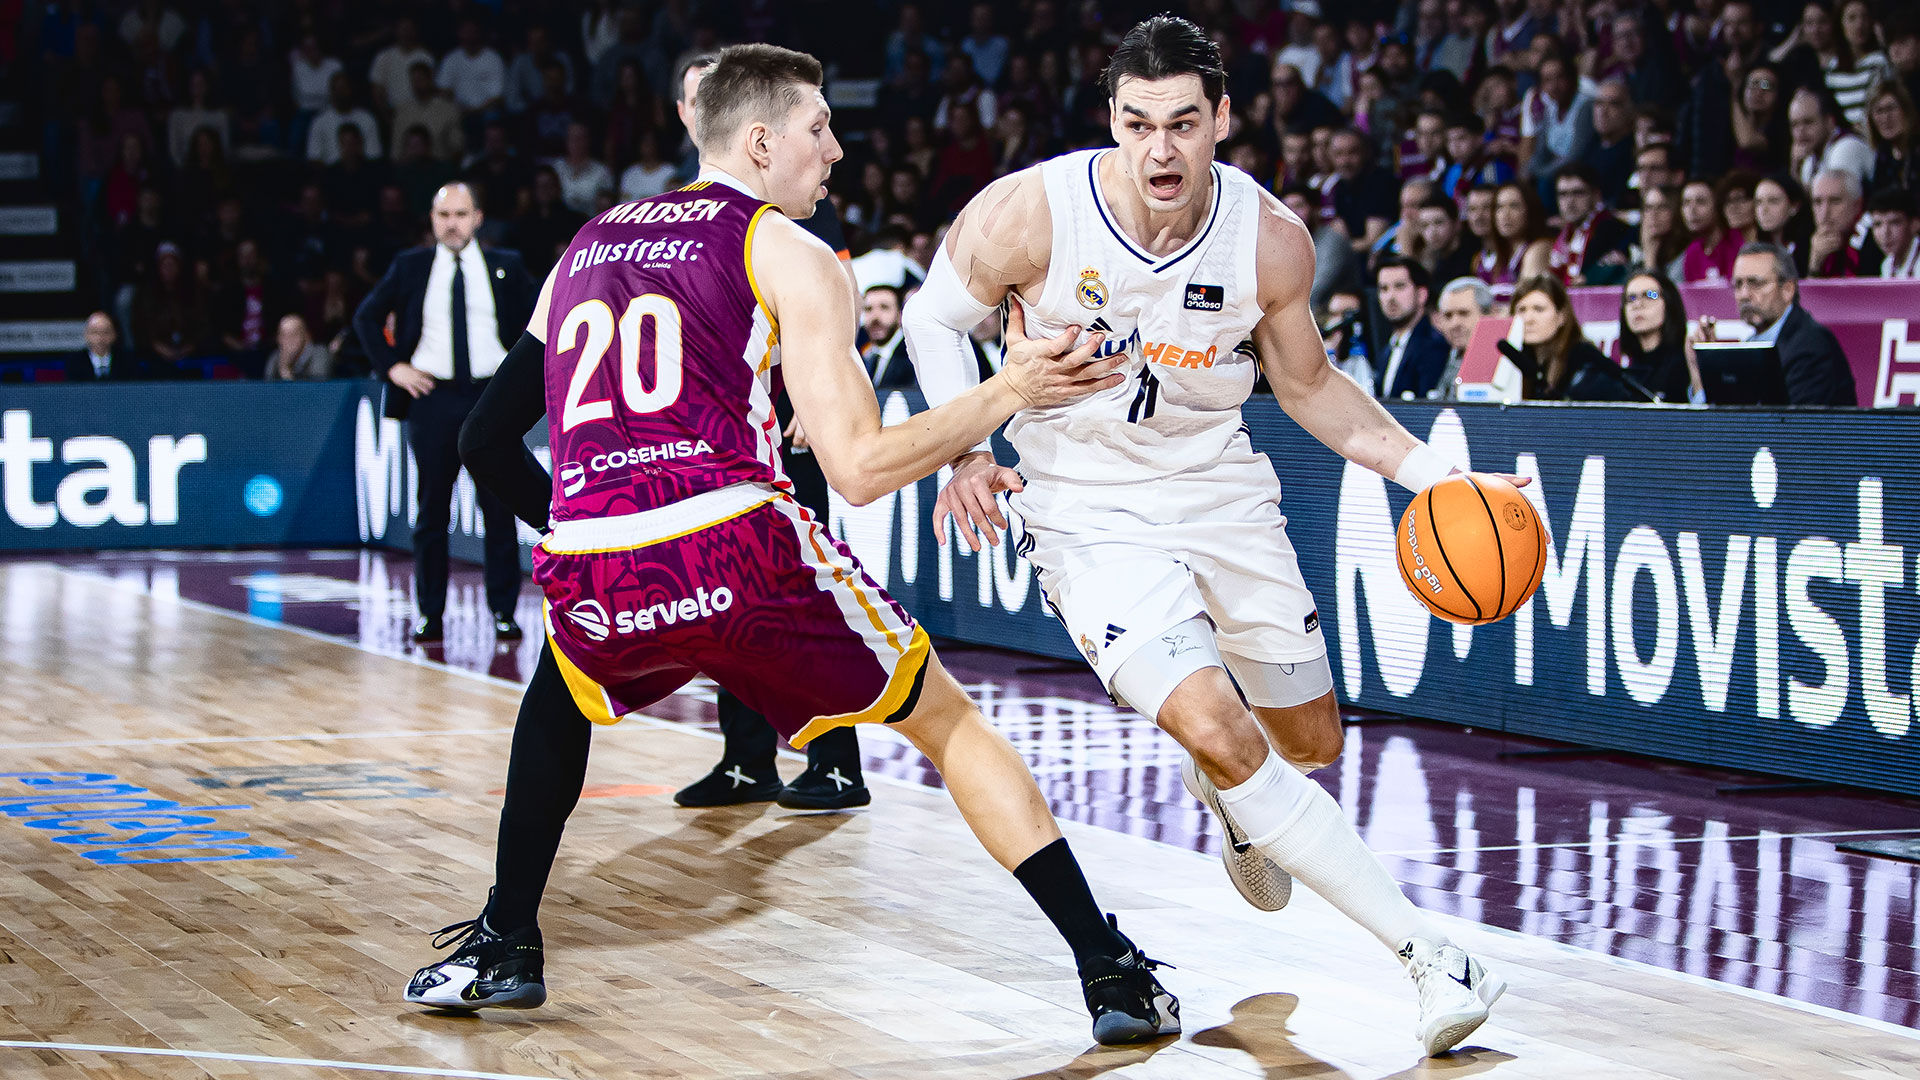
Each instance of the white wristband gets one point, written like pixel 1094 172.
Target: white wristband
pixel 1423 468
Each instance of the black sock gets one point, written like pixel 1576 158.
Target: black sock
pixel 544 778
pixel 750 740
pixel 1052 877
pixel 835 748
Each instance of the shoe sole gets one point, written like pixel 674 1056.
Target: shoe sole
pixel 1455 1030
pixel 1242 867
pixel 846 801
pixel 1122 1029
pixel 767 796
pixel 527 997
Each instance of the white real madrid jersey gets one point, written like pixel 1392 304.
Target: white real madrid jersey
pixel 1181 317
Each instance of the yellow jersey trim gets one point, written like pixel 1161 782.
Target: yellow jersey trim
pixel 905 674
pixel 587 694
pixel 753 283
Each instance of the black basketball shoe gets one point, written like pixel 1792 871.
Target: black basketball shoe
pixel 825 790
pixel 1128 1004
pixel 730 784
pixel 484 971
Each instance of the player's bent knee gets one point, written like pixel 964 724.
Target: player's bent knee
pixel 1309 736
pixel 943 707
pixel 1204 713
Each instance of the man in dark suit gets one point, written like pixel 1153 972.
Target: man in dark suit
pixel 102 359
pixel 454 308
pixel 1415 354
pixel 1767 288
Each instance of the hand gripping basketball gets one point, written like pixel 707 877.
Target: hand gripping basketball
pixel 1472 548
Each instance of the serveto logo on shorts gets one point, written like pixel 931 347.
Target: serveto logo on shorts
pixel 573 474
pixel 591 616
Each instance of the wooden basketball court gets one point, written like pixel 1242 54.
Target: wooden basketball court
pixel 744 942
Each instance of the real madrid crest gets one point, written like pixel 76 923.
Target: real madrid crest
pixel 1087 646
pixel 1092 291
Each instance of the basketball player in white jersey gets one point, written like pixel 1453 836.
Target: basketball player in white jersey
pixel 1154 524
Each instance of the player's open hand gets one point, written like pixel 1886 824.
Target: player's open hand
pixel 969 498
pixel 1051 371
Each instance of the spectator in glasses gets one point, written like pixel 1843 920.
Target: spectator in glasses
pixel 1653 335
pixel 1894 130
pixel 1760 131
pixel 1767 289
pixel 1663 241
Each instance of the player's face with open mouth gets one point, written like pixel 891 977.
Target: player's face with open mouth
pixel 803 157
pixel 1166 130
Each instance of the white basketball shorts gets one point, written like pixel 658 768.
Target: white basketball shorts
pixel 1122 564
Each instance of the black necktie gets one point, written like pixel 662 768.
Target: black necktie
pixel 462 366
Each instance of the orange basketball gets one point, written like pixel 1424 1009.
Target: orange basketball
pixel 1472 548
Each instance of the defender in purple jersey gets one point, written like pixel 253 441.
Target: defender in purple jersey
pixel 675 548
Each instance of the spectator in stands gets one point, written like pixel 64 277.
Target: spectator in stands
pixel 1845 69
pixel 312 86
pixel 198 112
pixel 1403 236
pixel 1557 363
pixel 323 134
pixel 120 190
pixel 1345 340
pixel 1662 242
pixel 501 174
pixel 1446 252
pixel 1331 64
pixel 352 183
pixel 1902 29
pixel 1717 102
pixel 1335 264
pixel 418 173
pixel 1779 217
pixel 1463 303
pixel 1894 232
pixel 887 263
pixel 528 82
pixel 1363 195
pixel 987 50
pixel 918 150
pixel 1834 250
pixel 634 112
pixel 1761 130
pixel 542 232
pixel 1652 168
pixel 430 107
pixel 1298 107
pixel 1556 125
pixel 1521 245
pixel 583 180
pixel 169 321
pixel 1647 70
pixel 312 244
pixel 966 161
pixel 296 356
pixel 1710 256
pixel 390 79
pixel 910 36
pixel 101 359
pixel 1591 248
pixel 1470 165
pixel 1415 354
pixel 102 136
pixel 476 76
pixel 1611 154
pixel 1894 128
pixel 960 84
pixel 1424 153
pixel 254 91
pixel 886 352
pixel 650 174
pixel 1653 335
pixel 241 303
pixel 631 47
pixel 1821 141
pixel 911 95
pixel 1476 216
pixel 1768 292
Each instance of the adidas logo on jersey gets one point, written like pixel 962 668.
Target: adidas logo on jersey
pixel 1206 298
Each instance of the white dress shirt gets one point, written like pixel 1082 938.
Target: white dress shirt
pixel 434 355
pixel 1907 266
pixel 1396 351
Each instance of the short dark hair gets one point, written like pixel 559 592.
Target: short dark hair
pixel 1439 201
pixel 1305 191
pixel 1416 273
pixel 688 63
pixel 1166 46
pixel 751 83
pixel 1892 200
pixel 1472 121
pixel 1782 261
pixel 1581 171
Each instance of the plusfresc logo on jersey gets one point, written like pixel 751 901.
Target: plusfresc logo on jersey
pixel 573 474
pixel 595 622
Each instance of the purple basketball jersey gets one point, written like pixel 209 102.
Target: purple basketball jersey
pixel 660 357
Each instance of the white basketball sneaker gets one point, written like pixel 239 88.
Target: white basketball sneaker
pixel 1456 993
pixel 1259 879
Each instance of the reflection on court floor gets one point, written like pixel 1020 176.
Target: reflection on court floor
pixel 1628 857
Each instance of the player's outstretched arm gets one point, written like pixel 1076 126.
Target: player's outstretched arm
pixel 802 285
pixel 1321 398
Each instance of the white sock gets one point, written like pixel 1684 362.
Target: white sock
pixel 1294 822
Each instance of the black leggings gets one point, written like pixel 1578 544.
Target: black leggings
pixel 544 778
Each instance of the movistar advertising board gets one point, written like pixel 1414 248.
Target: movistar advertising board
pixel 1731 587
pixel 140 465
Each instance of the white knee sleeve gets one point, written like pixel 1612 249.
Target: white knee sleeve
pixel 1147 678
